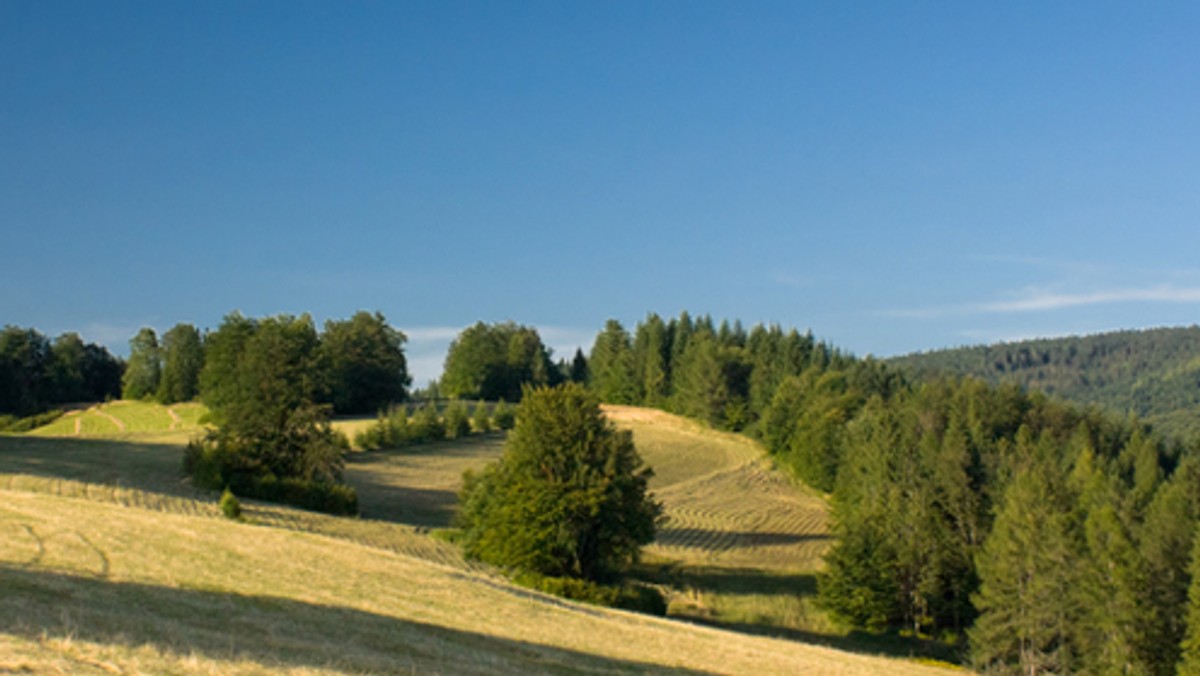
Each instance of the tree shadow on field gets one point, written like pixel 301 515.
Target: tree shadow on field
pixel 387 490
pixel 42 606
pixel 149 467
pixel 751 581
pixel 680 537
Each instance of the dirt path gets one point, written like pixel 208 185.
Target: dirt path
pixel 175 420
pixel 113 419
pixel 78 425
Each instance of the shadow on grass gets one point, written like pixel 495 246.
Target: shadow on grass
pixel 276 632
pixel 383 495
pixel 750 581
pixel 681 537
pixel 150 467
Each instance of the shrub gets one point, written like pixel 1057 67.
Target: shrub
pixel 637 598
pixel 230 507
pixel 389 431
pixel 426 426
pixel 457 420
pixel 504 416
pixel 214 465
pixel 481 421
pixel 9 423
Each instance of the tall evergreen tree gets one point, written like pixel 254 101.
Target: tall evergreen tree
pixel 611 367
pixel 1026 622
pixel 651 353
pixel 701 391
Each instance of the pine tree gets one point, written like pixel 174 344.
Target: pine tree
pixel 701 391
pixel 1166 543
pixel 1027 564
pixel 1189 662
pixel 650 355
pixel 481 421
pixel 611 366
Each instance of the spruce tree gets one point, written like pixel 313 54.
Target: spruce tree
pixel 611 366
pixel 1027 564
pixel 1189 662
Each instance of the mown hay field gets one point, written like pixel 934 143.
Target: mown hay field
pixel 739 549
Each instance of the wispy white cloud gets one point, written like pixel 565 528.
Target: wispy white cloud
pixel 783 278
pixel 1042 300
pixel 1036 300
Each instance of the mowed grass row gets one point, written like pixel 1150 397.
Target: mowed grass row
pixel 740 546
pixel 725 505
pixel 96 588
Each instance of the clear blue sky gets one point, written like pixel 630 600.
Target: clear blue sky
pixel 895 176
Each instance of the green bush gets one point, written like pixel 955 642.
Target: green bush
pixel 481 420
pixel 213 466
pixel 457 420
pixel 10 423
pixel 504 416
pixel 389 431
pixel 636 598
pixel 230 507
pixel 426 425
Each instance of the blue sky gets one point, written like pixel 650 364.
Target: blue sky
pixel 894 176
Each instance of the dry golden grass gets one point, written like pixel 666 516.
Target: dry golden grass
pixel 739 549
pixel 725 505
pixel 91 588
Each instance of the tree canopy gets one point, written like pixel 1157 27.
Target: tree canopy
pixel 495 361
pixel 569 496
pixel 367 367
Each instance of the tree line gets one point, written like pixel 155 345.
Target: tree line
pixel 1042 536
pixel 1151 373
pixel 38 374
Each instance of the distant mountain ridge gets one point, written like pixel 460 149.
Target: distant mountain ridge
pixel 1153 373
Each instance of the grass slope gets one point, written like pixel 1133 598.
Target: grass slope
pixel 91 587
pixel 739 550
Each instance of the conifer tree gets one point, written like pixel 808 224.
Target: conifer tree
pixel 611 367
pixel 481 421
pixel 1189 662
pixel 651 354
pixel 1028 562
pixel 701 391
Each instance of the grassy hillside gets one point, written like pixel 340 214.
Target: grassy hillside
pixel 1154 373
pixel 110 560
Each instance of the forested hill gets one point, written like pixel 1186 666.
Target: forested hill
pixel 1154 373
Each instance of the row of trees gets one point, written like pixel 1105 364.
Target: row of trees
pixel 37 374
pixel 1052 538
pixel 358 367
pixel 1152 373
pixel 495 361
pixel 265 382
pixel 720 374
